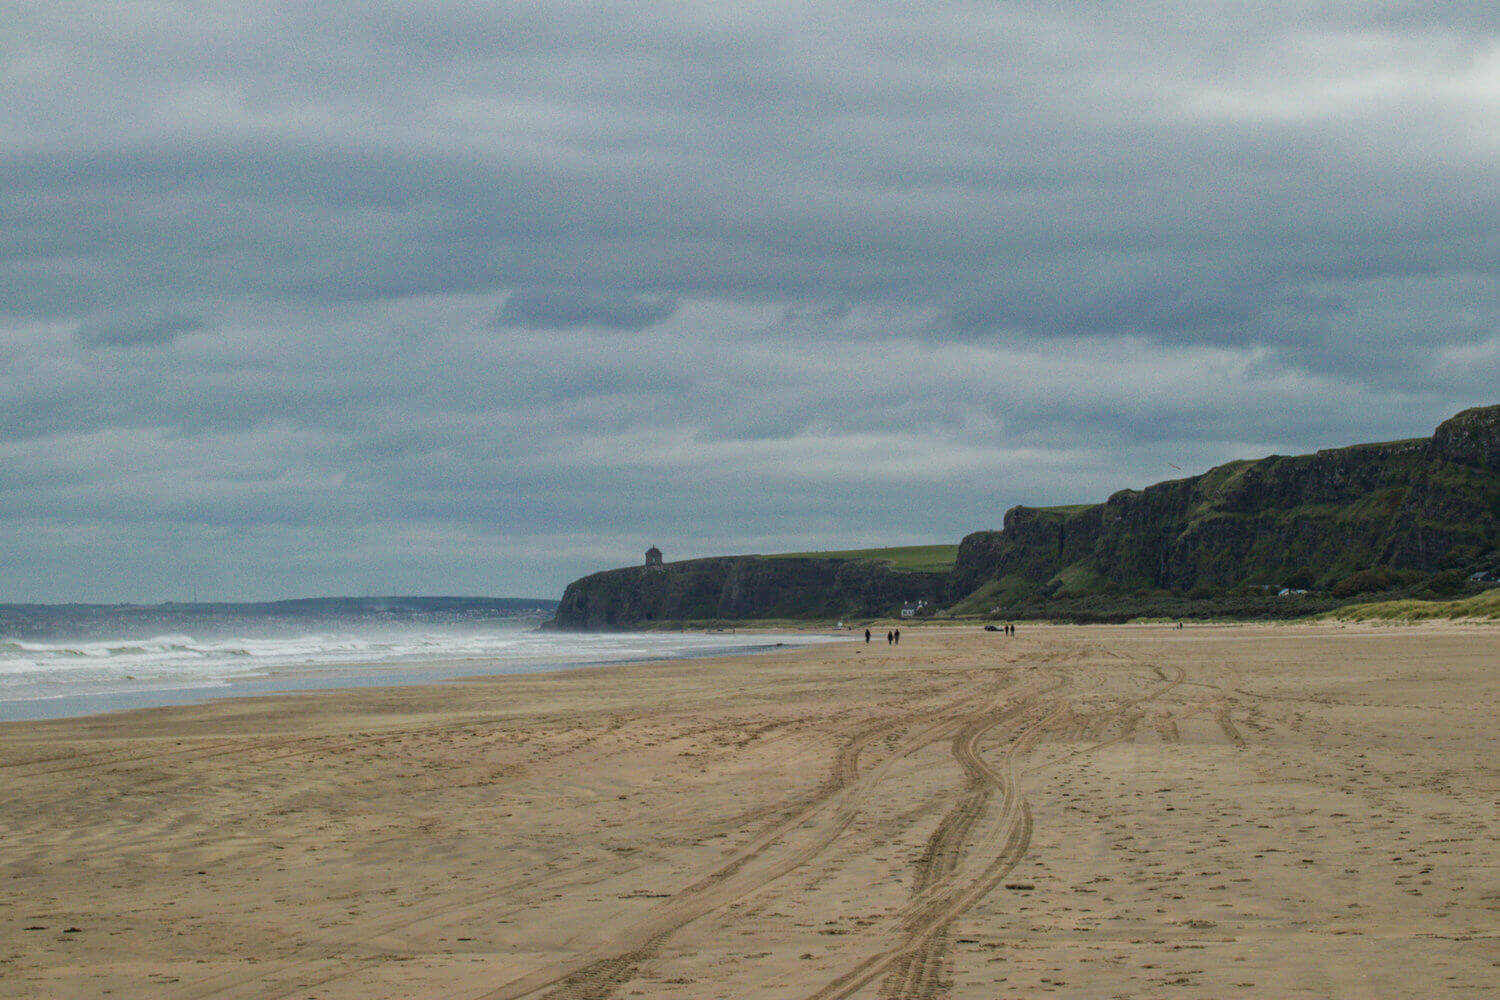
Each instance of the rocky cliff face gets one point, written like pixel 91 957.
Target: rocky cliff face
pixel 1425 504
pixel 741 587
pixel 1450 517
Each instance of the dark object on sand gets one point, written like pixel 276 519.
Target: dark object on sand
pixel 992 628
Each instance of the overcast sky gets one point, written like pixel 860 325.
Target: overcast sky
pixel 456 298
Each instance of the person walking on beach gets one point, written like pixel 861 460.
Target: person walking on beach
pixel 867 637
pixel 898 637
pixel 889 638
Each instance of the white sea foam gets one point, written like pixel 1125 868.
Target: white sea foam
pixel 93 672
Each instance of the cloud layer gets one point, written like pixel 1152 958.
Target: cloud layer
pixel 444 299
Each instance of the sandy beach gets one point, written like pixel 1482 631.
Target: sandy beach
pixel 1258 811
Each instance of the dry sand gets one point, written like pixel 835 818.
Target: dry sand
pixel 1261 811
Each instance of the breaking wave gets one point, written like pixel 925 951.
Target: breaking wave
pixel 114 665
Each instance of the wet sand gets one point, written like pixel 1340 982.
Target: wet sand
pixel 1258 811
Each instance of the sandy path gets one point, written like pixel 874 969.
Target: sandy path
pixel 1099 812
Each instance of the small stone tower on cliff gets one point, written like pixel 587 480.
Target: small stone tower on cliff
pixel 653 558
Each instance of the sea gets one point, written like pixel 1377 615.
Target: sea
pixel 68 660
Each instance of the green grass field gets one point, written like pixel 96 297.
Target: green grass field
pixel 919 558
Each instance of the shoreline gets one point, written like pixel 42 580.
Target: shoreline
pixel 1090 810
pixel 354 674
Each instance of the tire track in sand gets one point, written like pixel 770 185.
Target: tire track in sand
pixel 310 968
pixel 915 952
pixel 734 878
pixel 938 862
pixel 916 971
pixel 1155 693
pixel 769 857
pixel 913 968
pixel 1226 723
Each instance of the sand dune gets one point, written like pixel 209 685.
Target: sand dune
pixel 1082 812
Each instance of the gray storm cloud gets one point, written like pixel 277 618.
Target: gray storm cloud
pixel 137 332
pixel 494 297
pixel 567 308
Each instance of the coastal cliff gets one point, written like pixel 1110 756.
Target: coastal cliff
pixel 742 587
pixel 1344 521
pixel 1423 505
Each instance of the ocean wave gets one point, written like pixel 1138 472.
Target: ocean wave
pixel 118 664
pixel 32 669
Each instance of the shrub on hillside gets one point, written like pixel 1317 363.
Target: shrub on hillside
pixel 1373 580
pixel 1447 583
pixel 1299 579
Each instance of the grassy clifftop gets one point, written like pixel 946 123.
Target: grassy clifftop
pixel 919 558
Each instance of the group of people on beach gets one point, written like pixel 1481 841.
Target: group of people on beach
pixel 892 638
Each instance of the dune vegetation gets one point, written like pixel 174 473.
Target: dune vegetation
pixel 1482 605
